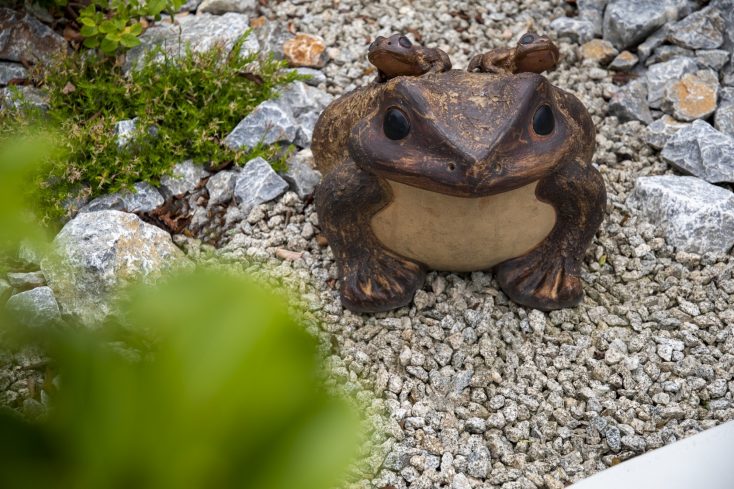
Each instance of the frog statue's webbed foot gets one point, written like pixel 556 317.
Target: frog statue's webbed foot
pixel 549 276
pixel 372 278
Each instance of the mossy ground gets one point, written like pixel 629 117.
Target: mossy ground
pixel 192 102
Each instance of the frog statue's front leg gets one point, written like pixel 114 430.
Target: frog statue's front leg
pixel 548 277
pixel 373 279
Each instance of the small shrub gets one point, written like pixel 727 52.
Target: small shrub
pixel 193 102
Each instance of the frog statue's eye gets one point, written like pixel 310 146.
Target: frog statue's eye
pixel 527 39
pixel 543 121
pixel 405 42
pixel 396 124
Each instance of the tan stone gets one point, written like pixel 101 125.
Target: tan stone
pixel 305 50
pixel 692 97
pixel 461 234
pixel 624 61
pixel 599 51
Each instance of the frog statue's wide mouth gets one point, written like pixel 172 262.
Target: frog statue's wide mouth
pixel 464 134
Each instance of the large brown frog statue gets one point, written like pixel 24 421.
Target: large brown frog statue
pixel 457 171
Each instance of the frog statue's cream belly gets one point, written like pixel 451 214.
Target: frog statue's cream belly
pixel 462 234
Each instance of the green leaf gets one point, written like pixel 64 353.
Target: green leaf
pixel 108 46
pixel 107 26
pixel 136 29
pixel 91 42
pixel 87 21
pixel 114 36
pixel 129 40
pixel 88 30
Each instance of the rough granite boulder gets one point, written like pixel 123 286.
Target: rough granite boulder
pixel 200 32
pixel 221 187
pixel 301 175
pixel 702 151
pixel 143 198
pixel 35 307
pixel 271 122
pixel 24 38
pixel 695 216
pixel 257 183
pixel 658 133
pixel 700 30
pixel 692 97
pixel 184 178
pixel 97 253
pixel 11 71
pixel 629 103
pixel 577 30
pixel 627 22
pixel 218 7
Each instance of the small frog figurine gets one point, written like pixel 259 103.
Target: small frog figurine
pixel 533 53
pixel 398 56
pixel 433 168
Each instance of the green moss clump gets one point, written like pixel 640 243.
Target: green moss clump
pixel 185 107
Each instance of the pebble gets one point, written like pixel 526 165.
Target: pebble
pixel 26 280
pixel 219 7
pixel 598 51
pixel 692 97
pixel 305 50
pixel 577 30
pixel 624 61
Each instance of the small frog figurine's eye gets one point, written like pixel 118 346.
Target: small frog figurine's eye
pixel 396 124
pixel 543 121
pixel 527 39
pixel 405 42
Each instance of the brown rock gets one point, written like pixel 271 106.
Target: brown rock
pixel 624 61
pixel 305 50
pixel 258 22
pixel 24 38
pixel 599 51
pixel 692 97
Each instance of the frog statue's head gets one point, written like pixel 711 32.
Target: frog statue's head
pixel 470 134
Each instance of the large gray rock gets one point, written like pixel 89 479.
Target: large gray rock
pixel 702 151
pixel 660 74
pixel 24 38
pixel 184 178
pixel 694 216
pixel 97 253
pixel 257 183
pixel 301 175
pixel 11 71
pixel 143 198
pixel 36 307
pixel 629 103
pixel 700 30
pixel 577 30
pixel 658 133
pixel 271 122
pixel 302 98
pixel 200 32
pixel 627 22
pixel 219 7
pixel 221 187
pixel 666 52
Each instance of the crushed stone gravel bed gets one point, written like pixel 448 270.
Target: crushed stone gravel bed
pixel 478 391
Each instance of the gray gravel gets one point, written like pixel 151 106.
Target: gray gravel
pixel 479 392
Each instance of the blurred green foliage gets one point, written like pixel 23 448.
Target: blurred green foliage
pixel 204 381
pixel 185 106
